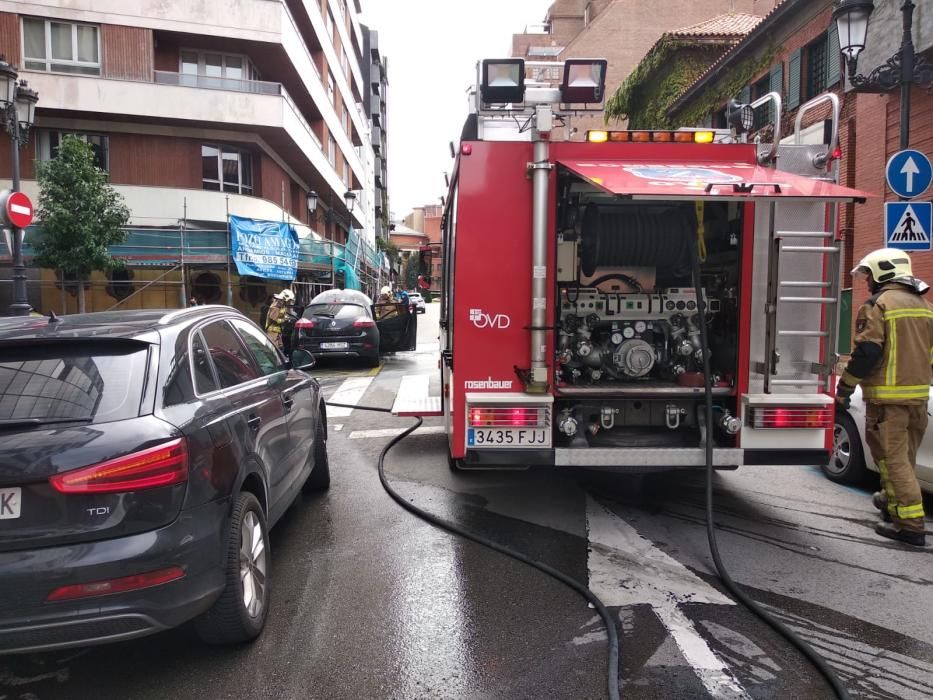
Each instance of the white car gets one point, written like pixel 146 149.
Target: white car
pixel 418 302
pixel 851 459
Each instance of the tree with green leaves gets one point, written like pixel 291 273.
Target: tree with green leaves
pixel 80 215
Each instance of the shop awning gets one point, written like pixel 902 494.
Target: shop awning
pixel 695 181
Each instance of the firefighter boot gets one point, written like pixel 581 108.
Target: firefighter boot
pixel 912 537
pixel 879 501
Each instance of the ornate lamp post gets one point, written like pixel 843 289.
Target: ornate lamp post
pixel 18 110
pixel 904 69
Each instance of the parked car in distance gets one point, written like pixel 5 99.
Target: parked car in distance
pixel 144 455
pixel 346 323
pixel 851 461
pixel 417 301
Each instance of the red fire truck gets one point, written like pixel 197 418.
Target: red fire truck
pixel 569 322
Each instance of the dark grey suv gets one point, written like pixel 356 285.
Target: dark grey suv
pixel 143 457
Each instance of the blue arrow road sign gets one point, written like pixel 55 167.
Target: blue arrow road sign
pixel 909 173
pixel 907 225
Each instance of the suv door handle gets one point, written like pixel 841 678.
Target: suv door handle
pixel 288 402
pixel 254 422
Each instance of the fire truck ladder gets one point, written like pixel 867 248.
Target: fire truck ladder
pixel 782 301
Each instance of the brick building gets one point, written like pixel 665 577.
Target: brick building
pixel 197 109
pixel 795 50
pixel 621 31
pixel 427 220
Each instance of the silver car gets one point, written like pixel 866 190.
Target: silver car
pixel 417 301
pixel 851 460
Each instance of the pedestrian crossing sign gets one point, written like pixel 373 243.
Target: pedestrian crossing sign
pixel 908 225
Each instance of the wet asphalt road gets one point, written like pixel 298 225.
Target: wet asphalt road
pixel 369 602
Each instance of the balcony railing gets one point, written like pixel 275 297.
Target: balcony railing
pixel 256 87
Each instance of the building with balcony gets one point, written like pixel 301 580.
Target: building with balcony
pixel 200 110
pixel 376 76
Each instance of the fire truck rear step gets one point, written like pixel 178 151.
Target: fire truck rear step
pixel 646 457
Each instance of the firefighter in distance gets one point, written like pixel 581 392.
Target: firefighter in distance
pixel 892 361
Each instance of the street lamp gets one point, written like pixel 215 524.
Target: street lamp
pixel 18 110
pixel 349 198
pixel 904 68
pixel 312 202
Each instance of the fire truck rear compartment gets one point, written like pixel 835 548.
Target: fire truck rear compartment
pixel 628 354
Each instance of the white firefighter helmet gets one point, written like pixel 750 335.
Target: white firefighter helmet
pixel 885 265
pixel 387 290
pixel 286 295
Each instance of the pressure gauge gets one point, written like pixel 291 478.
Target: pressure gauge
pixel 628 332
pixel 616 338
pixel 640 326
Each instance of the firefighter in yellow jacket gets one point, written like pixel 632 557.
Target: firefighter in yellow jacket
pixel 892 361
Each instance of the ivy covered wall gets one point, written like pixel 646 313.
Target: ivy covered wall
pixel 661 77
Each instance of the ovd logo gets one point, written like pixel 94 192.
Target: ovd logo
pixel 483 320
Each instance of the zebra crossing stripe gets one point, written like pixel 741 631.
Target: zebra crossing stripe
pixel 350 392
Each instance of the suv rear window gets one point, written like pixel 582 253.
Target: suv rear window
pixel 95 382
pixel 335 311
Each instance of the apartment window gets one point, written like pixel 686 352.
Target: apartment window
pixel 816 67
pixel 346 173
pixel 330 87
pixel 330 25
pixel 47 143
pixel 216 70
pixel 345 119
pixel 61 47
pixel 763 112
pixel 344 62
pixel 226 169
pixel 332 150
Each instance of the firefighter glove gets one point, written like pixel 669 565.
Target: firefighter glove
pixel 844 394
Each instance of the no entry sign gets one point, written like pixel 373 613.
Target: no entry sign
pixel 17 210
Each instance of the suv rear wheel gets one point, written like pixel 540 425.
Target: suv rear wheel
pixel 319 478
pixel 240 613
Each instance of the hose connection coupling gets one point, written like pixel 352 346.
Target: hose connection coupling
pixel 729 424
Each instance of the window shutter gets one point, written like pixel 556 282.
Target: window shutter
pixel 793 80
pixel 777 79
pixel 833 55
pixel 746 95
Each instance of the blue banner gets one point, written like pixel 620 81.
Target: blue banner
pixel 267 249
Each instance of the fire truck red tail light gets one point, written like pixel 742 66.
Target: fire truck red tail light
pixel 163 465
pixel 791 417
pixel 466 149
pixel 507 417
pixel 117 585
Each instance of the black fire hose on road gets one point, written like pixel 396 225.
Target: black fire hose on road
pixel 613 672
pixel 818 661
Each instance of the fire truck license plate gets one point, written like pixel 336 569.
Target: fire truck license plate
pixel 10 503
pixel 507 437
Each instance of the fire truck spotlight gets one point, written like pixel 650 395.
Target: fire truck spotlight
pixel 503 80
pixel 740 116
pixel 584 81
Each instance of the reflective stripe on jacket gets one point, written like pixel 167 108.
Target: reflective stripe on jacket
pixel 900 321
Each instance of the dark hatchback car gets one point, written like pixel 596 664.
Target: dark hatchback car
pixel 346 323
pixel 143 457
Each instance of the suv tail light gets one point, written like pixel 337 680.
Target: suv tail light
pixel 116 585
pixel 793 417
pixel 364 323
pixel 162 465
pixel 303 323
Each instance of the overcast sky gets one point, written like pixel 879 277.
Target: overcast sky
pixel 433 47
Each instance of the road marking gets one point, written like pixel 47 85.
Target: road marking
pixel 392 432
pixel 350 392
pixel 626 569
pixel 337 428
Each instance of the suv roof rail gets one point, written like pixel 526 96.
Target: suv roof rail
pixel 179 313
